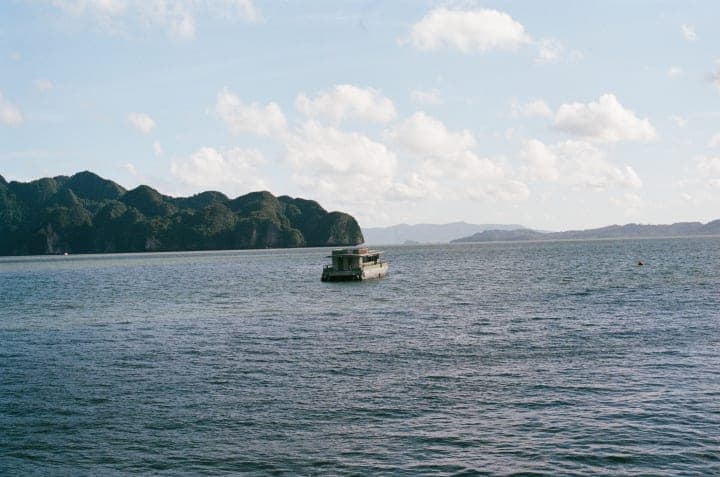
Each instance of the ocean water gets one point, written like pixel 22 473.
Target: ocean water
pixel 557 358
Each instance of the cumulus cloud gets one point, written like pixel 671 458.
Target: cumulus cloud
pixel 688 32
pixel 419 96
pixel 142 122
pixel 415 186
pixel 209 168
pixel 476 30
pixel 318 148
pixel 267 120
pixel 549 51
pixel 352 169
pixel 423 135
pixel 576 163
pixel 350 166
pixel 449 166
pixel 675 71
pixel 586 166
pixel 552 50
pixel 507 191
pixel 604 120
pixel 346 101
pixel 9 113
pixel 157 148
pixel 177 17
pixel 541 162
pixel 536 107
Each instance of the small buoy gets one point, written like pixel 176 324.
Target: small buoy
pixel 640 264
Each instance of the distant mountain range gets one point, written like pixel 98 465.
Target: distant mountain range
pixel 680 229
pixel 85 213
pixel 427 233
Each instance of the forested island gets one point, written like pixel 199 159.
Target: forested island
pixel 85 213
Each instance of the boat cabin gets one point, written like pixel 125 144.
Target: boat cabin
pixel 354 264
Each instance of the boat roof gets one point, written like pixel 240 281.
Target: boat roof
pixel 354 252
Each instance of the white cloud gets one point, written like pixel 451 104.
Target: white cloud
pixel 463 176
pixel 507 191
pixel 415 186
pixel 142 122
pixel 235 169
pixel 318 148
pixel 177 17
pixel 688 32
pixel 542 162
pixel 536 107
pixel 576 163
pixel 9 113
pixel 549 50
pixel 604 120
pixel 423 135
pixel 476 30
pixel 266 120
pixel 43 84
pixel 715 140
pixel 450 168
pixel 157 148
pixel 473 167
pixel 419 96
pixel 346 101
pixel 586 166
pixel 348 167
pixel 675 71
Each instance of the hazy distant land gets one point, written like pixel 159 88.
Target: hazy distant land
pixel 679 229
pixel 85 213
pixel 427 233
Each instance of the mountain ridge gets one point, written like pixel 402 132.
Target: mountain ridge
pixel 85 213
pixel 631 230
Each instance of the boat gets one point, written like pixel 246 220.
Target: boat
pixel 354 264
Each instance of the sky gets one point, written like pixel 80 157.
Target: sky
pixel 555 115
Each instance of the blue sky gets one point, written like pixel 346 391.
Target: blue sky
pixel 555 115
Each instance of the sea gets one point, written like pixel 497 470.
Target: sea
pixel 535 358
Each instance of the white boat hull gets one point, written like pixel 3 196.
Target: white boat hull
pixel 366 273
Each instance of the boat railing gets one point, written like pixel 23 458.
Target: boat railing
pixel 353 269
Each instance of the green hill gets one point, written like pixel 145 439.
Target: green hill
pixel 85 213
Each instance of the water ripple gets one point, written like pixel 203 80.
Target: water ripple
pixel 488 359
